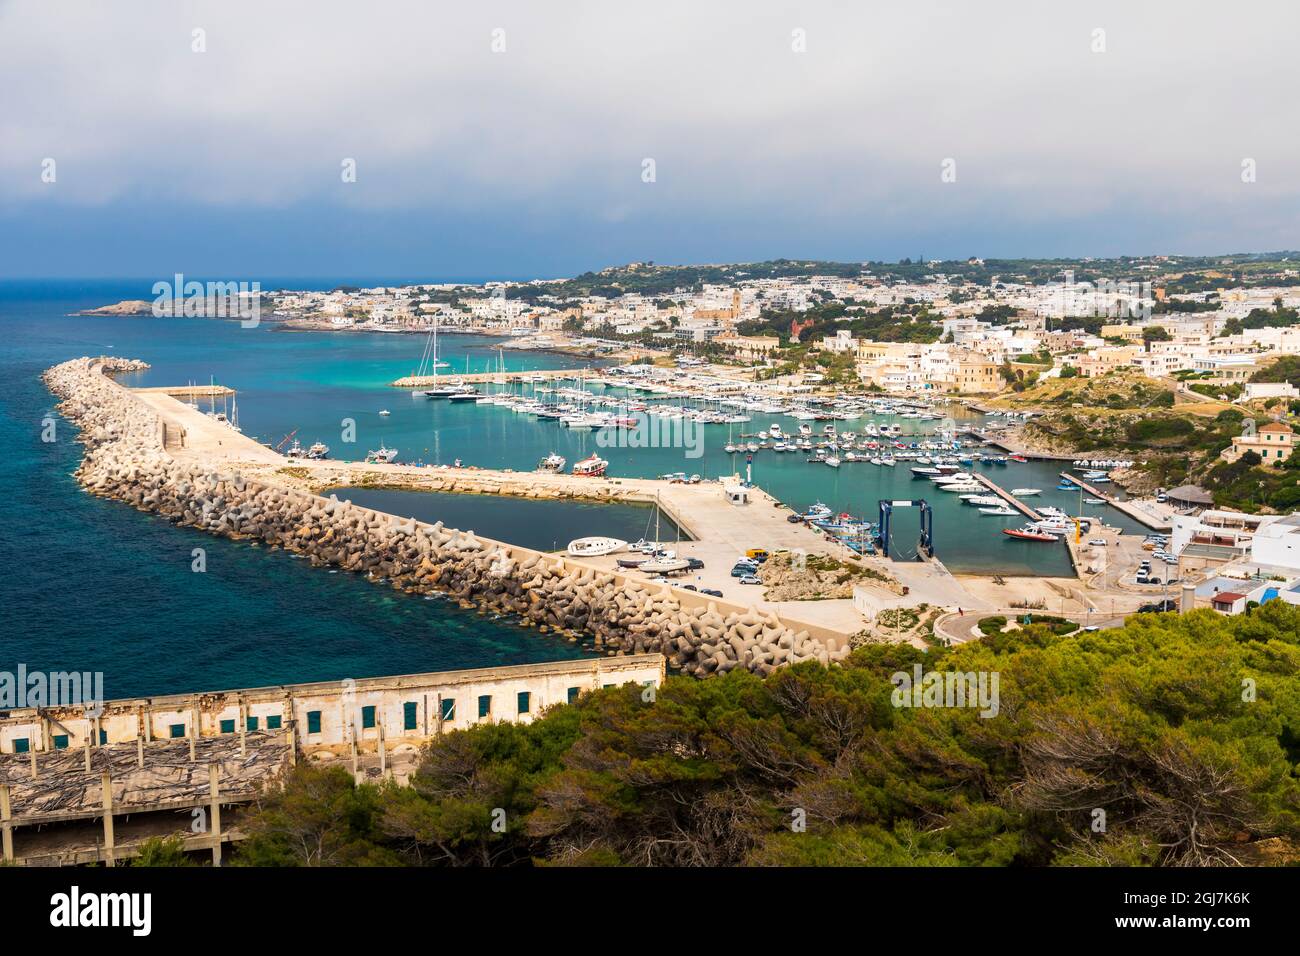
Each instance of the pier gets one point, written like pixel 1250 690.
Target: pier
pixel 720 531
pixel 1008 497
pixel 478 378
pixel 1141 515
pixel 189 391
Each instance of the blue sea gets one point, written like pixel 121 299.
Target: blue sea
pixel 92 585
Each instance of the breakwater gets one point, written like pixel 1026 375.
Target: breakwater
pixel 126 457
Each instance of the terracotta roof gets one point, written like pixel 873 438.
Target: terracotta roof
pixel 1227 597
pixel 1275 427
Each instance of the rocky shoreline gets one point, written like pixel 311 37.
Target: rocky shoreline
pixel 125 459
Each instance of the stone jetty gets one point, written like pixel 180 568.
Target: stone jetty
pixel 125 458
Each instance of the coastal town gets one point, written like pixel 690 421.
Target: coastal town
pixel 1168 381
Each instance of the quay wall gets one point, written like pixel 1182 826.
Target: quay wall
pixel 125 458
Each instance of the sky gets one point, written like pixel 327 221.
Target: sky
pixel 543 139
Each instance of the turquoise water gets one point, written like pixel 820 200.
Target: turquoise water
pixel 540 525
pixel 93 585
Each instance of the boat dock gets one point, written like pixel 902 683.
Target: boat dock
pixel 1008 497
pixel 1142 516
pixel 189 391
pixel 478 378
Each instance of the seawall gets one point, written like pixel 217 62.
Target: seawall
pixel 126 458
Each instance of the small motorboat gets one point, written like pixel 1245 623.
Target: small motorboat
pixel 1095 501
pixel 384 412
pixel 1029 534
pixel 1026 492
pixel 1000 512
pixel 552 464
pixel 595 546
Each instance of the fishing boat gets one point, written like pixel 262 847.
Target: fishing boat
pixel 592 466
pixel 552 463
pixel 381 456
pixel 318 450
pixel 1026 492
pixel 595 546
pixel 1029 534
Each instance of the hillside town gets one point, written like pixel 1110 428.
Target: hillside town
pixel 941 332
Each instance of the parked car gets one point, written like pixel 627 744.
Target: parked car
pixel 1098 542
pixel 750 579
pixel 694 564
pixel 758 554
pixel 1144 579
pixel 712 592
pixel 741 570
pixel 1159 607
pixel 689 587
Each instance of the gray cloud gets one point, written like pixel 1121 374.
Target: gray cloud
pixel 849 135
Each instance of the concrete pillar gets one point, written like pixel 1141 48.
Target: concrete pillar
pixel 6 828
pixel 1188 602
pixel 383 750
pixel 106 783
pixel 86 748
pixel 354 749
pixel 293 746
pixel 139 750
pixel 35 775
pixel 243 729
pixel 191 745
pixel 214 812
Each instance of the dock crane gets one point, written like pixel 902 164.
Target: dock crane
pixel 286 439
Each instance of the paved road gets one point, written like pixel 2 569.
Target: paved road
pixel 962 628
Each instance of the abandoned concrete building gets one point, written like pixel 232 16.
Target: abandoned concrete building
pixel 90 784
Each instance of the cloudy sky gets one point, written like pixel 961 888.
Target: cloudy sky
pixel 512 139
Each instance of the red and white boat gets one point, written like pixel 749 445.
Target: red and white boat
pixel 591 467
pixel 1029 534
pixel 1020 458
